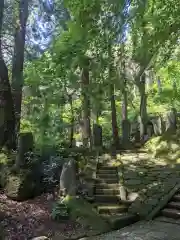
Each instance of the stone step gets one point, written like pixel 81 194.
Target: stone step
pixel 122 220
pixel 106 191
pixel 107 176
pixel 107 181
pixel 175 205
pixel 176 197
pixel 168 220
pixel 101 185
pixel 104 171
pixel 112 209
pixel 107 198
pixel 106 167
pixel 171 213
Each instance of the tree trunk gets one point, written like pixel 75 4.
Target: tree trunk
pixel 115 133
pixel 18 59
pixel 7 118
pixel 143 107
pixel 126 127
pixel 86 112
pixel 72 122
pixel 124 90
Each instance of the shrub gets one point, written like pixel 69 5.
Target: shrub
pixel 60 212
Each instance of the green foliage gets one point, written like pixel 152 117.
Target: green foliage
pixel 3 158
pixel 52 99
pixel 60 212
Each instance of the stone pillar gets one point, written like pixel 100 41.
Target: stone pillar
pixel 158 126
pixel 126 129
pixel 97 135
pixel 150 130
pixel 68 178
pixel 171 121
pixel 25 144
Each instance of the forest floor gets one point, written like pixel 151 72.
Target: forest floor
pixel 32 218
pixel 150 177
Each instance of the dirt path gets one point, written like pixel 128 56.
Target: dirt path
pixel 25 220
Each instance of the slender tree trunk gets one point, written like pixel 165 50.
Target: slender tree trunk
pixel 18 59
pixel 115 133
pixel 72 121
pixel 86 112
pixel 7 118
pixel 143 107
pixel 125 122
pixel 124 105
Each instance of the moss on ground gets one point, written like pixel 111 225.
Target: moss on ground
pixel 3 158
pixel 167 146
pixel 84 213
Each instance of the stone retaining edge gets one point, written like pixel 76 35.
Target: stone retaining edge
pixel 163 202
pixel 94 177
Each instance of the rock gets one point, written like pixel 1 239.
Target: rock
pixel 123 193
pixel 68 178
pixel 4 172
pixel 175 147
pixel 24 185
pixel 171 120
pixel 132 196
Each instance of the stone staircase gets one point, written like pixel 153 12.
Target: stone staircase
pixel 171 213
pixel 107 198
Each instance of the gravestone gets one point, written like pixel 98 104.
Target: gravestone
pixel 135 133
pixel 142 128
pixel 137 136
pixel 68 178
pixel 25 145
pixel 150 130
pixel 126 129
pixel 97 135
pixel 171 120
pixel 73 144
pixel 158 126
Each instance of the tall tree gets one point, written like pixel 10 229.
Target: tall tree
pixel 86 111
pixel 154 27
pixel 18 58
pixel 7 117
pixel 115 132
